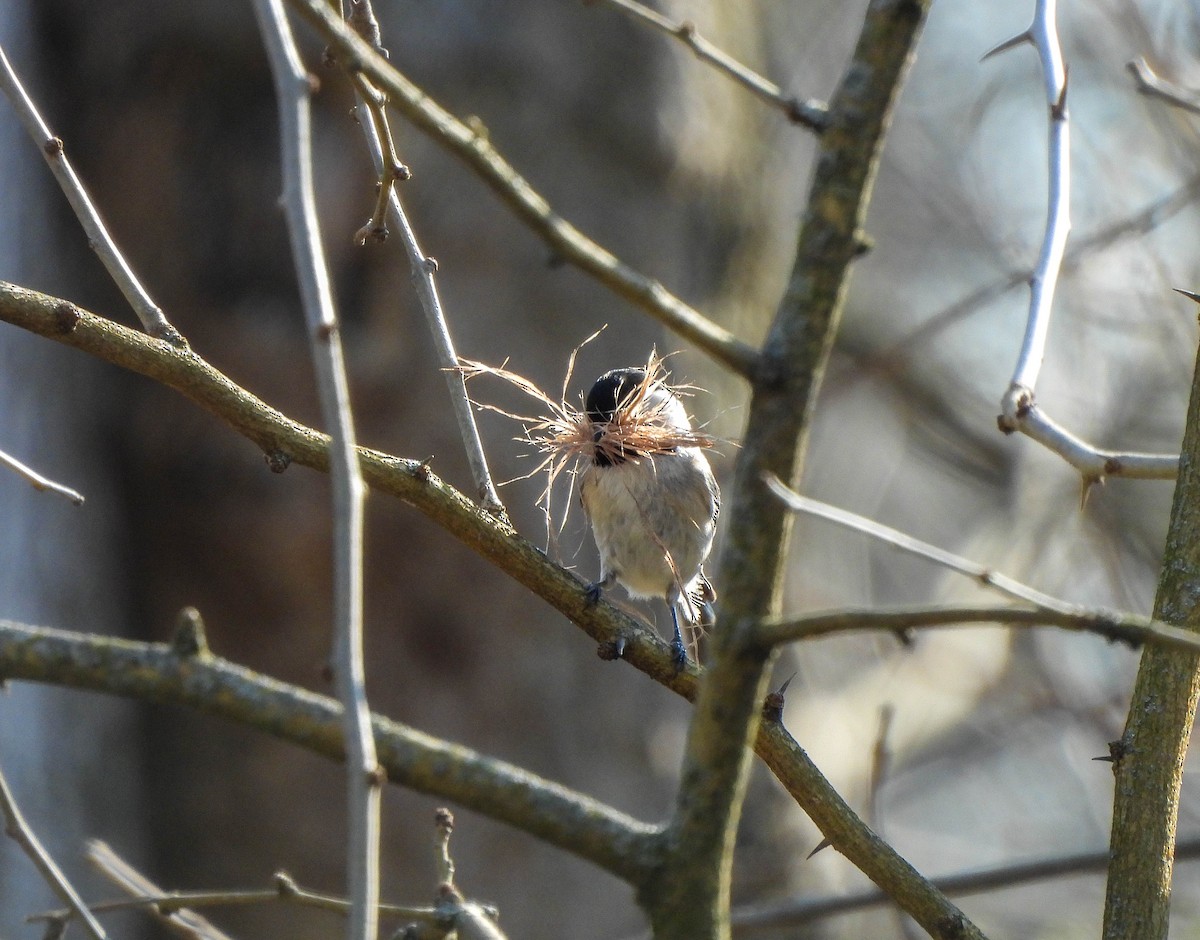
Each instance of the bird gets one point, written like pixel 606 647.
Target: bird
pixel 650 497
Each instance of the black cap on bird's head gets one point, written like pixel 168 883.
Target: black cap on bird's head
pixel 611 391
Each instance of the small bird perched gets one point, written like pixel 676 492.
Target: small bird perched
pixel 651 498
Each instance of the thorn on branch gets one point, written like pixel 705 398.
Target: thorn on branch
pixel 476 126
pixel 774 703
pixel 823 844
pixel 277 461
pixel 951 927
pixel 375 231
pixel 362 19
pixel 167 333
pixel 1086 484
pixel 189 640
pixel 1025 37
pixel 810 114
pixel 1058 110
pixel 1117 751
pixel 1190 295
pixel 612 650
pixel 286 885
pixel 66 317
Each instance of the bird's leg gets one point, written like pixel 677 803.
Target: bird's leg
pixel 594 589
pixel 678 650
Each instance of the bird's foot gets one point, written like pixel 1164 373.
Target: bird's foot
pixel 678 653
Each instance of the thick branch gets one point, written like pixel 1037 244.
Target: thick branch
pixel 471 145
pixel 157 672
pixel 692 899
pixel 1149 768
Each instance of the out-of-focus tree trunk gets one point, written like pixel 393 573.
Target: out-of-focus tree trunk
pixel 71 760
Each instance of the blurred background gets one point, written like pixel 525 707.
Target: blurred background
pixel 168 112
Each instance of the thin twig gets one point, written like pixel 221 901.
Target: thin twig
pixel 881 763
pixel 812 114
pixel 153 320
pixel 1150 83
pixel 373 119
pixel 1043 35
pixel 18 830
pixel 175 907
pixel 471 145
pixel 984 576
pixel 176 916
pixel 39 482
pixel 794 912
pixel 364 779
pixel 1115 626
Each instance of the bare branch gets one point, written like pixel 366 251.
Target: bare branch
pixel 1018 407
pixel 1150 83
pixel 1149 758
pixel 471 145
pixel 984 576
pixel 373 119
pixel 39 482
pixel 812 114
pixel 363 779
pixel 779 915
pixel 695 883
pixel 1092 463
pixel 175 916
pixel 175 908
pixel 1112 625
pixel 1043 35
pixel 153 320
pixel 18 830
